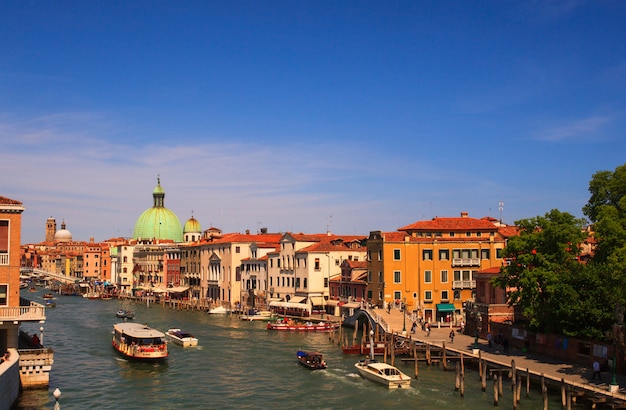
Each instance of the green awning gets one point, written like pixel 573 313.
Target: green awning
pixel 445 307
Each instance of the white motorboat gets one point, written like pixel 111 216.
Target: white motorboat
pixel 184 339
pixel 257 315
pixel 382 373
pixel 221 310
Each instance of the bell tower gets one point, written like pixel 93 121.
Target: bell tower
pixel 51 228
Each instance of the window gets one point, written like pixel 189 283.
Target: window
pixel 317 263
pixel 457 295
pixel 305 283
pixel 427 254
pixel 444 254
pixel 396 254
pixel 444 295
pixel 369 255
pixel 396 295
pixel 444 276
pixel 499 253
pixel 428 295
pixel 468 234
pixel 325 282
pixel 369 276
pixel 484 254
pixel 380 254
pixel 4 300
pixel 237 249
pixel 428 276
pixel 457 275
pixel 381 279
pixel 397 277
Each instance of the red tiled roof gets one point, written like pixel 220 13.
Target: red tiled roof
pixel 451 224
pixel 7 201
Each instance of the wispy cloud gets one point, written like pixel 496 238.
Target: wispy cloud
pixel 586 128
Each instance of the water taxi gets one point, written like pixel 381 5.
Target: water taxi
pixel 253 315
pixel 184 339
pixel 383 373
pixel 139 342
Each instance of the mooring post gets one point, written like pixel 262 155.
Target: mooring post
pixel 495 389
pixel 457 377
pixel 563 398
pixel 415 359
pixel 443 348
pixel 483 379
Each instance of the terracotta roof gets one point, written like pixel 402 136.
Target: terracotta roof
pixel 7 201
pixel 451 224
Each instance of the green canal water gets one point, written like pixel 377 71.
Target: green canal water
pixel 237 365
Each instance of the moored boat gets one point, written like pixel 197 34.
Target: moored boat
pixel 48 296
pixel 139 342
pixel 184 339
pixel 252 315
pixel 303 327
pixel 379 349
pixel 311 360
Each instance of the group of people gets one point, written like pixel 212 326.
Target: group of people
pixel 5 357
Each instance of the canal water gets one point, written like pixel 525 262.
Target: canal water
pixel 237 365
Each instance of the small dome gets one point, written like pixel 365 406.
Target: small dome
pixel 63 235
pixel 192 226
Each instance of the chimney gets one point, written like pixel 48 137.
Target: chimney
pixel 464 214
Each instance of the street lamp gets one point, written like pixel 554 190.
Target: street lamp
pixel 477 322
pixel 404 316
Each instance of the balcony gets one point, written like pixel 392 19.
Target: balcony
pixel 465 262
pixel 4 258
pixel 464 284
pixel 27 312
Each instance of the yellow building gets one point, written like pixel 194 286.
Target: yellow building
pixel 430 266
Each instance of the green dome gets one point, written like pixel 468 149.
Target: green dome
pixel 158 222
pixel 192 225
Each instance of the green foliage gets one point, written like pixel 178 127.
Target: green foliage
pixel 556 292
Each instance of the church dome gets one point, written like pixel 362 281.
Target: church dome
pixel 63 235
pixel 158 222
pixel 192 226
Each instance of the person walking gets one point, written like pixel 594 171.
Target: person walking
pixel 451 336
pixel 596 371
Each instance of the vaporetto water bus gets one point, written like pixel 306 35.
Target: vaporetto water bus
pixel 139 342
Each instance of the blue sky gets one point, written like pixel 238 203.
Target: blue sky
pixel 304 116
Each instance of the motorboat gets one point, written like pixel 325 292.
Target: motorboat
pixel 48 296
pixel 49 303
pixel 311 360
pixel 379 349
pixel 252 315
pixel 219 310
pixel 124 314
pixel 381 372
pixel 139 342
pixel 184 339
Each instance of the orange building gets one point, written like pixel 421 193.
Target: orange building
pixel 430 266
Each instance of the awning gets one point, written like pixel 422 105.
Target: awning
pixel 291 305
pixel 297 299
pixel 178 289
pixel 445 307
pixel 332 302
pixel 317 300
pixel 352 305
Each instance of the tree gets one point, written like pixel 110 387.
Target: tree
pixel 544 274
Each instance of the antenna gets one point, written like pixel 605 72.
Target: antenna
pixel 500 208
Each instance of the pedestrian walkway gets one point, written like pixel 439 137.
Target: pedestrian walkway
pixel 573 374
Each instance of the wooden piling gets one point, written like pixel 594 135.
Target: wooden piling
pixel 443 348
pixel 495 390
pixel 480 359
pixel 527 382
pixel 462 364
pixel 514 391
pixel 462 385
pixel 563 398
pixel 428 353
pixel 457 377
pixel 392 349
pixel 544 394
pixel 415 360
pixel 483 380
pixel 513 375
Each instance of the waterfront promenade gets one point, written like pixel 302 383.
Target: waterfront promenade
pixel 573 374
